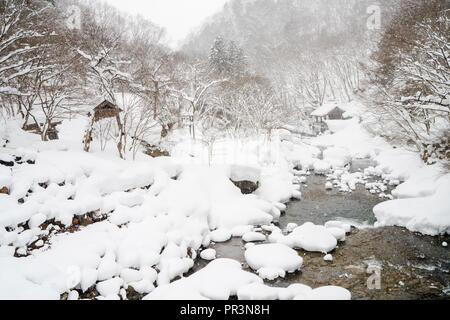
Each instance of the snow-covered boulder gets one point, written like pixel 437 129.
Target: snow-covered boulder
pixel 427 215
pixel 254 237
pixel 326 293
pixel 257 291
pixel 311 238
pixel 219 280
pixel 221 235
pixel 322 167
pixel 337 157
pixel 208 254
pixel 273 260
pixel 338 224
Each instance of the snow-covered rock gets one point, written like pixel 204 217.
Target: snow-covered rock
pixel 239 231
pixel 273 260
pixel 338 224
pixel 326 293
pixel 208 254
pixel 219 280
pixel 321 167
pixel 254 237
pixel 257 291
pixel 110 287
pixel 294 290
pixel 338 233
pixel 311 238
pixel 337 157
pixel 427 215
pixel 221 235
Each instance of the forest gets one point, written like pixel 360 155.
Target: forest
pixel 275 64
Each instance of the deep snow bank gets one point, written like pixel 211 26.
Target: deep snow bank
pixel 155 214
pixel 428 215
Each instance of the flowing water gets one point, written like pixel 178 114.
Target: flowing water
pixel 410 265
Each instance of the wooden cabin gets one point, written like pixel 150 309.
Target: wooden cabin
pixel 106 110
pixel 328 111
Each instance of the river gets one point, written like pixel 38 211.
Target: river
pixel 410 265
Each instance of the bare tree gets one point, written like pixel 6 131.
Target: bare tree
pixel 412 76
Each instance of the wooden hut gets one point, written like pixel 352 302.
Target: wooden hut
pixel 106 110
pixel 328 111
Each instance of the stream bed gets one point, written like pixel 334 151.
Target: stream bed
pixel 410 265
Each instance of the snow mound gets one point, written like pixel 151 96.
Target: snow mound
pixel 208 254
pixel 337 157
pixel 338 224
pixel 254 237
pixel 326 293
pixel 245 173
pixel 321 167
pixel 273 260
pixel 310 237
pixel 239 231
pixel 220 235
pixel 427 215
pixel 219 280
pixel 257 291
pixel 338 233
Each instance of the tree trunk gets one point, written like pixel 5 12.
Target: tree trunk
pixel 88 136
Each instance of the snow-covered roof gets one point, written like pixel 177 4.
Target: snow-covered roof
pixel 325 109
pixel 351 109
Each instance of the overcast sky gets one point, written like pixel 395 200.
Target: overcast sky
pixel 179 17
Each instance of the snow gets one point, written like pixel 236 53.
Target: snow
pixel 311 238
pixel 73 295
pixel 273 260
pixel 418 201
pixel 328 258
pixel 321 167
pixel 239 231
pixel 325 109
pixel 337 157
pixel 254 237
pixel 427 215
pixel 294 290
pixel 208 254
pixel 338 233
pixel 257 291
pixel 221 235
pixel 110 287
pixel 326 293
pixel 219 280
pixel 245 173
pixel 157 213
pixel 297 291
pixel 276 186
pixel 338 224
pixel 291 227
pixel 130 275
